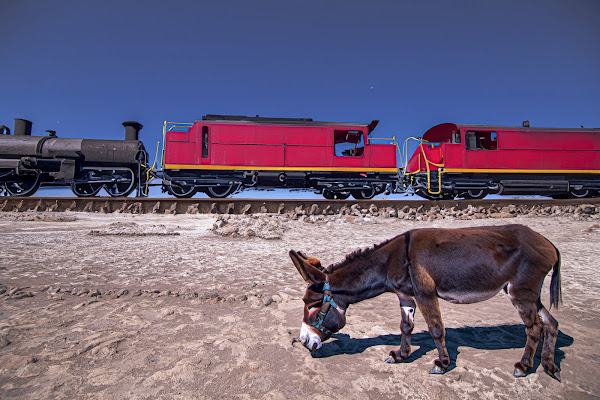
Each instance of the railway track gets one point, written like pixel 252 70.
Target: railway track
pixel 135 205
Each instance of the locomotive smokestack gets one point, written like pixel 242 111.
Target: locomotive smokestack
pixel 132 130
pixel 23 127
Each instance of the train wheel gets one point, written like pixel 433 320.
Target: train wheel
pixel 331 195
pixel 364 194
pixel 475 194
pixel 124 184
pixel 182 192
pixel 26 186
pixel 578 193
pixel 219 192
pixel 86 189
pixel 426 195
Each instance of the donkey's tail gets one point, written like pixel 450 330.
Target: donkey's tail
pixel 555 285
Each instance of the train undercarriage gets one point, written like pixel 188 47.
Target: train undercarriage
pixel 445 186
pixel 89 181
pixel 116 181
pixel 332 185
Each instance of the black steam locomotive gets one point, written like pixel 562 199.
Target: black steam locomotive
pixel 87 165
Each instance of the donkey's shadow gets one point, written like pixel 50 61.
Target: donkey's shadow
pixel 484 338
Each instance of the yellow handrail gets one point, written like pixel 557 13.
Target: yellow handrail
pixel 162 152
pixel 148 171
pixel 427 162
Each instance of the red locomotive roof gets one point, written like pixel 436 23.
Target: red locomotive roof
pixel 443 132
pixel 244 120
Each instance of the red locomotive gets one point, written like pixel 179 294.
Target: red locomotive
pixel 220 155
pixel 471 161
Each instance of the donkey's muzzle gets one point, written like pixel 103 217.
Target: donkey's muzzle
pixel 309 339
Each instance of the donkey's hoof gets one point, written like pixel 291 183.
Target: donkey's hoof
pixel 390 360
pixel 437 370
pixel 518 373
pixel 555 375
pixel 393 358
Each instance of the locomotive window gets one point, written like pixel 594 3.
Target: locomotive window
pixel 455 137
pixel 205 142
pixel 348 143
pixel 481 140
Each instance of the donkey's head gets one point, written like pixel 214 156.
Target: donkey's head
pixel 322 315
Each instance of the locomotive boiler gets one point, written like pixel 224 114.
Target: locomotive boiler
pixel 87 165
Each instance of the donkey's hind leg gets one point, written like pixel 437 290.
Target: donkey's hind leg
pixel 526 304
pixel 430 308
pixel 550 336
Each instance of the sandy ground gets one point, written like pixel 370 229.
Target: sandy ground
pixel 158 306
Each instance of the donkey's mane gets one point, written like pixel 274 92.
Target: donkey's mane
pixel 356 254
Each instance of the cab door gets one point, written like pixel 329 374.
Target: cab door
pixel 204 145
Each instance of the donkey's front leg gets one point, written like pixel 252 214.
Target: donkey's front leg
pixel 406 327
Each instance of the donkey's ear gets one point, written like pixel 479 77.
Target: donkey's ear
pixel 308 269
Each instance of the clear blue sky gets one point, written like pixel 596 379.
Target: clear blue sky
pixel 83 67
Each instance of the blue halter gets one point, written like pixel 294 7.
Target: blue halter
pixel 328 302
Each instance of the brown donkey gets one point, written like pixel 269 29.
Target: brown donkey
pixel 459 265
